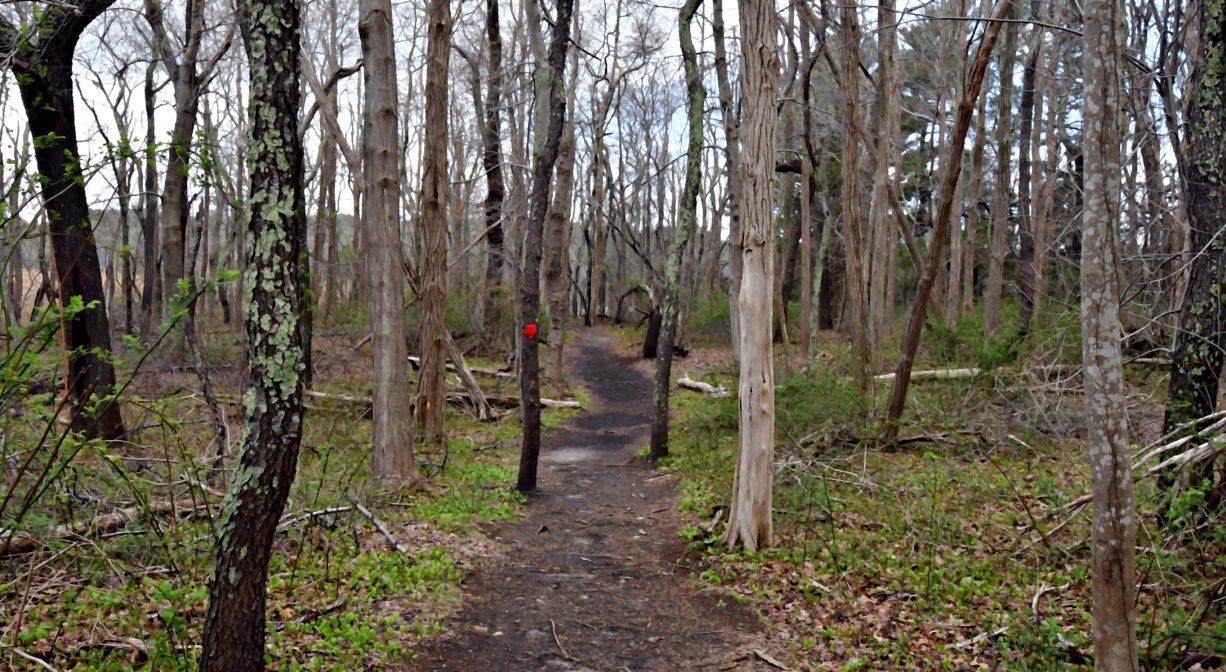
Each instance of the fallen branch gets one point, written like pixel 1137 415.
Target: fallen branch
pixel 287 522
pixel 475 369
pixel 387 534
pixel 21 542
pixel 935 373
pixel 687 383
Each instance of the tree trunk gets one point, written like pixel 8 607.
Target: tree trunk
pixel 545 155
pixel 681 233
pixel 1113 572
pixel 732 149
pixel 974 211
pixel 1029 112
pixel 854 253
pixel 42 66
pixel 149 217
pixel 994 291
pixel 944 207
pixel 749 518
pixel 234 623
pixel 391 423
pixel 1196 367
pixel 491 161
pixel 432 392
pixel 557 227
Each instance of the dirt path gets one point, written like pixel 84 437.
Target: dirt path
pixel 590 580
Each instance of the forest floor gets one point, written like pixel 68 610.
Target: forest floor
pixel 595 577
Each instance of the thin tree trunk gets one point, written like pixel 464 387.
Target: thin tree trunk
pixel 732 149
pixel 944 207
pixel 994 291
pixel 557 226
pixel 491 161
pixel 1029 113
pixel 681 233
pixel 545 156
pixel 1113 572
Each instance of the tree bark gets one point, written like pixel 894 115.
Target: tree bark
pixel 545 156
pixel 41 58
pixel 491 161
pixel 391 422
pixel 1029 113
pixel 557 228
pixel 432 393
pixel 1113 572
pixel 994 291
pixel 854 252
pixel 944 207
pixel 697 96
pixel 1197 363
pixel 749 518
pixel 732 149
pixel 234 623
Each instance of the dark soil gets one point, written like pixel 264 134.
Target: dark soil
pixel 591 579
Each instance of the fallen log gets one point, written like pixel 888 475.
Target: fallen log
pixel 21 542
pixel 461 397
pixel 935 373
pixel 505 375
pixel 698 386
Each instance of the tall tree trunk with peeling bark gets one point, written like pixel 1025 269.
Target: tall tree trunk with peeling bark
pixel 431 387
pixel 749 518
pixel 391 420
pixel 1196 366
pixel 234 626
pixel 1113 572
pixel 670 304
pixel 545 155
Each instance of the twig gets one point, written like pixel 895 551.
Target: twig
pixel 766 658
pixel 33 659
pixel 382 528
pixel 557 641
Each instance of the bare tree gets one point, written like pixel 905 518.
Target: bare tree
pixel 432 393
pixel 550 72
pixel 669 306
pixel 1113 573
pixel 40 55
pixel 391 434
pixel 1197 363
pixel 749 519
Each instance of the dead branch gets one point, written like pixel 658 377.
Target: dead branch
pixel 387 534
pixel 698 386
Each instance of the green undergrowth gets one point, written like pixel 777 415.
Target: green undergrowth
pixel 965 548
pixel 340 596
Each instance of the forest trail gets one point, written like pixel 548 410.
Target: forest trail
pixel 590 580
